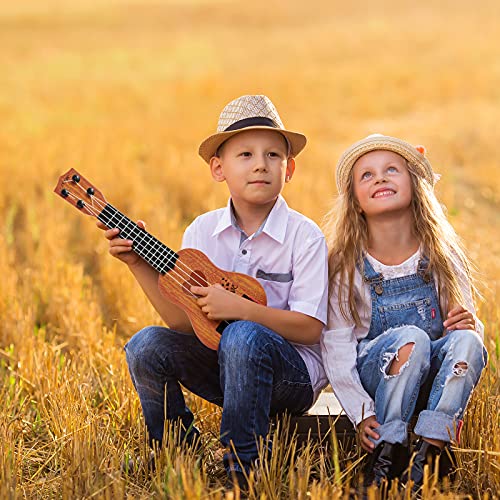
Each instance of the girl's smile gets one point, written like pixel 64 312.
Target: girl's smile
pixel 383 192
pixel 382 183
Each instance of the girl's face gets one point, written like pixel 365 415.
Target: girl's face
pixel 382 183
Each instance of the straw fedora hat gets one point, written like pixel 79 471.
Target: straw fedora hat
pixel 413 154
pixel 249 112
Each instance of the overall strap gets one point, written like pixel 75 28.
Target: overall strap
pixel 423 269
pixel 371 277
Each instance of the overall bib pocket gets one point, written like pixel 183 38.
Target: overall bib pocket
pixel 417 312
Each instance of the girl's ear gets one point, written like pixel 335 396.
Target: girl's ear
pixel 216 169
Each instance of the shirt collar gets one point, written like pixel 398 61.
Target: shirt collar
pixel 274 226
pixel 225 221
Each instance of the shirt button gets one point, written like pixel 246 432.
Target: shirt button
pixel 244 252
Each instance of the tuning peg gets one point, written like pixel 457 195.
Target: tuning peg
pixel 90 191
pixel 80 203
pixel 65 193
pixel 76 178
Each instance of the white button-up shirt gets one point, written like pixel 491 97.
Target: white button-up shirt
pixel 287 255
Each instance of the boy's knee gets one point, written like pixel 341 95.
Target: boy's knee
pixel 141 341
pixel 242 339
pixel 147 344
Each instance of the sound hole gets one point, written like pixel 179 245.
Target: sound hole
pixel 196 278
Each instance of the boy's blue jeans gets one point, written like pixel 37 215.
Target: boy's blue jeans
pixel 450 365
pixel 254 375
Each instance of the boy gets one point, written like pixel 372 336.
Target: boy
pixel 269 361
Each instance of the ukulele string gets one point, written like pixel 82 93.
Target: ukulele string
pixel 189 274
pixel 94 212
pixel 193 275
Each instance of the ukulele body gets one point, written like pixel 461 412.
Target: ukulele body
pixel 178 270
pixel 194 268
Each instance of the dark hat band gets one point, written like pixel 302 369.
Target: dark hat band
pixel 253 121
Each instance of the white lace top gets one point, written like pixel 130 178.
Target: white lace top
pixel 389 272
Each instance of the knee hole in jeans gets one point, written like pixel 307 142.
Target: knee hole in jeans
pixel 400 359
pixel 460 369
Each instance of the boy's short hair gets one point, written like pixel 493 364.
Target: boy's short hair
pixel 249 112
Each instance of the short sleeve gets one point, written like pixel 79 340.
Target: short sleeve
pixel 309 291
pixel 190 237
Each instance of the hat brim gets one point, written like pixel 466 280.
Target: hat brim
pixel 209 146
pixel 387 143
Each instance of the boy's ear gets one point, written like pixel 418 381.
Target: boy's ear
pixel 290 169
pixel 216 169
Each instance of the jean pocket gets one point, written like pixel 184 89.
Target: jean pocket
pixel 416 312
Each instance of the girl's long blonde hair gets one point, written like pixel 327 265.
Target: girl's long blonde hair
pixel 347 236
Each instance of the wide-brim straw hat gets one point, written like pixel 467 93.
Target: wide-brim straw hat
pixel 419 163
pixel 249 112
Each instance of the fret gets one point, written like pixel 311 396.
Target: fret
pixel 152 250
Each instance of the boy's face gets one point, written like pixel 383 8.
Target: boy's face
pixel 255 165
pixel 382 183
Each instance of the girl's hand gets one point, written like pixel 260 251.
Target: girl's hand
pixel 366 430
pixel 120 248
pixel 459 318
pixel 218 303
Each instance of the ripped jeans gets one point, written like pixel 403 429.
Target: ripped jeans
pixel 450 367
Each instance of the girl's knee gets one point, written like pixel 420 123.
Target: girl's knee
pixel 412 348
pixel 412 333
pixel 401 359
pixel 466 346
pixel 414 342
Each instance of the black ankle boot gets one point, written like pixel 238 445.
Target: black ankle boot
pixel 426 453
pixel 387 461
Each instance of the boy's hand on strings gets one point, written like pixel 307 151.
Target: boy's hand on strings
pixel 459 318
pixel 121 248
pixel 218 303
pixel 366 430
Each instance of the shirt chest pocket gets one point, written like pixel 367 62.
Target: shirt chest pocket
pixel 417 312
pixel 277 287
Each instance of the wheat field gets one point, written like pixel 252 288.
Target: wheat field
pixel 124 92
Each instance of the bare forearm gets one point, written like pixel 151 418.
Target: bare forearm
pixel 173 316
pixel 291 325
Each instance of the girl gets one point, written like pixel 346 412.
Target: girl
pixel 401 326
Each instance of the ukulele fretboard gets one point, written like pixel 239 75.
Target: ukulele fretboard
pixel 153 251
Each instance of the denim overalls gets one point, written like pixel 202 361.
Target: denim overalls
pixel 405 310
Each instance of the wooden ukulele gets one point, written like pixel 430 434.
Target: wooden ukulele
pixel 178 270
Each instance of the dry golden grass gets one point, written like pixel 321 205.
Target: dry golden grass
pixel 125 93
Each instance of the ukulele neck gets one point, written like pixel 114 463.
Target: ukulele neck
pixel 153 251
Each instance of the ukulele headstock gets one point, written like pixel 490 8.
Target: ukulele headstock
pixel 80 193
